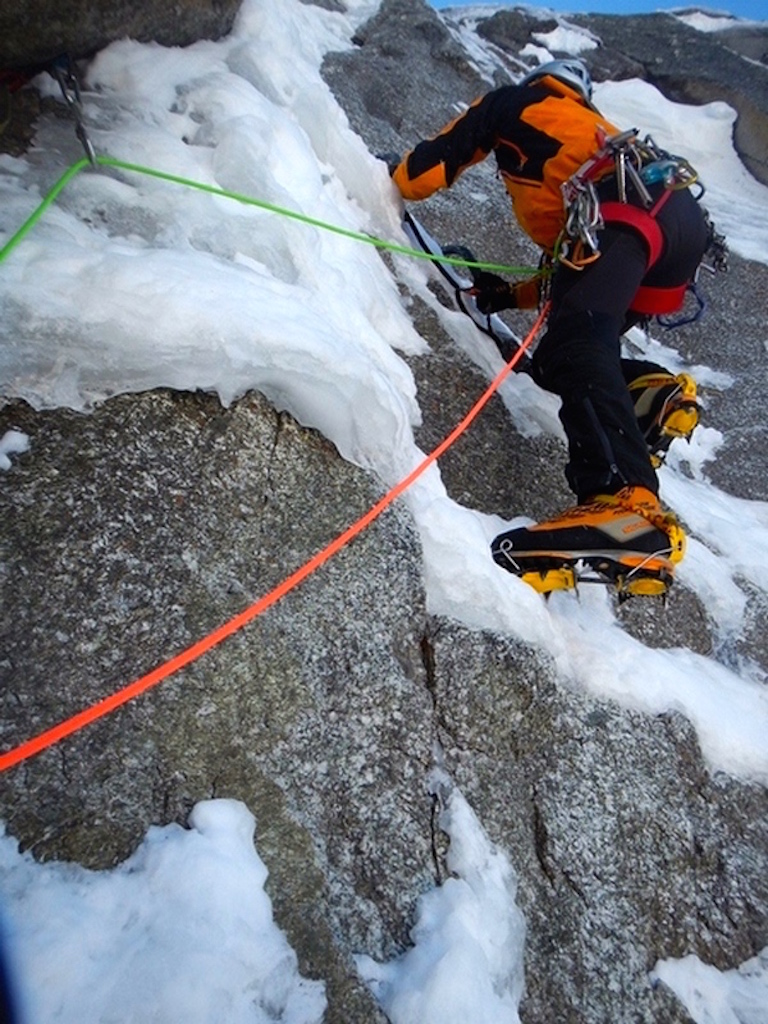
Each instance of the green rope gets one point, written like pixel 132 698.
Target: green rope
pixel 30 222
pixel 108 161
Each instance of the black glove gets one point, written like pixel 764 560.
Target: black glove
pixel 392 160
pixel 491 292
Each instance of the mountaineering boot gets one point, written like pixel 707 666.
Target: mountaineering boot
pixel 624 539
pixel 666 408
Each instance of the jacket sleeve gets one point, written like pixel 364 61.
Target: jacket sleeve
pixel 436 163
pixel 526 294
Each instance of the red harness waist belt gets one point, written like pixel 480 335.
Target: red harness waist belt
pixel 650 300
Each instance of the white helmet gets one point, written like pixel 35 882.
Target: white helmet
pixel 571 71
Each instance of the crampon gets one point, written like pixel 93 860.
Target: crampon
pixel 547 574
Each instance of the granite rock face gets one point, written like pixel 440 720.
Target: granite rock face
pixel 689 66
pixel 38 31
pixel 129 533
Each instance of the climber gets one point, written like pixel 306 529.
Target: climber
pixel 624 236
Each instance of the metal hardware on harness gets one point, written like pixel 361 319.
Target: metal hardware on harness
pixel 660 166
pixel 63 71
pixel 636 165
pixel 621 175
pixel 583 217
pixel 637 180
pixel 717 249
pixel 582 206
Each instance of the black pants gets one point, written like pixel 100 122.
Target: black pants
pixel 579 358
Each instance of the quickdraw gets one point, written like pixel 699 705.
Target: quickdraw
pixel 63 71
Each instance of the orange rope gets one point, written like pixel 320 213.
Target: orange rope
pixel 103 707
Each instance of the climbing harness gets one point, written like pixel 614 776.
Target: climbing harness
pixel 633 167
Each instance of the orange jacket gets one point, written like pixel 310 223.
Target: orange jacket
pixel 540 134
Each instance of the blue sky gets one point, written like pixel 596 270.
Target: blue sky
pixel 752 9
